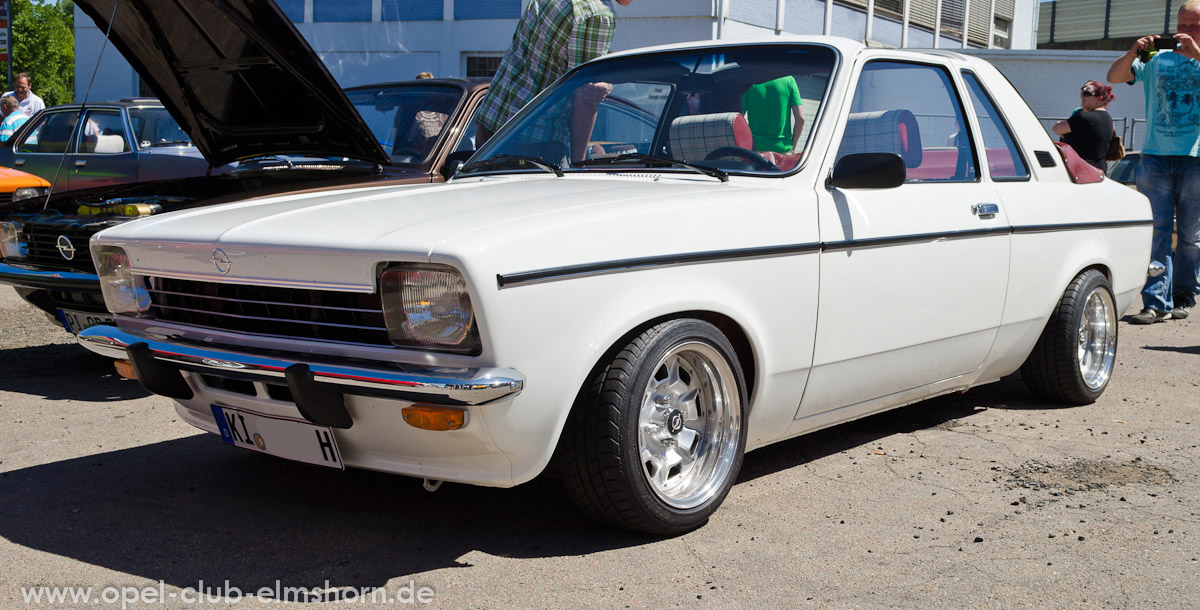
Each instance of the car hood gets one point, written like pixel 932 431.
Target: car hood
pixel 237 76
pixel 278 239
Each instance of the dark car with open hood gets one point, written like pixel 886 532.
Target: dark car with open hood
pixel 247 89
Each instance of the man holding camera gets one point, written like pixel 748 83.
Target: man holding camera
pixel 1169 172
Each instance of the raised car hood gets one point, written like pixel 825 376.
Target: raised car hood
pixel 237 76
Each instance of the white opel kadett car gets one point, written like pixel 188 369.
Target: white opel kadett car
pixel 641 292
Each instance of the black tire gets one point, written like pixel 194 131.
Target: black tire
pixel 1074 357
pixel 631 423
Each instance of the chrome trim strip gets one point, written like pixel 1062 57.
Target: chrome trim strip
pixel 637 264
pixel 250 281
pixel 459 386
pixel 1083 226
pixel 193 295
pixel 265 319
pixel 33 278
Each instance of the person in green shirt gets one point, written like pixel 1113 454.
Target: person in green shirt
pixel 776 115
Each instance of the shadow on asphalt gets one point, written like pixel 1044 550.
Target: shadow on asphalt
pixel 64 372
pixel 191 509
pixel 1191 349
pixel 1007 393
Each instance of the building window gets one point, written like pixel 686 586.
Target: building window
pixel 482 65
pixel 487 9
pixel 412 10
pixel 341 10
pixel 1000 33
pixel 294 9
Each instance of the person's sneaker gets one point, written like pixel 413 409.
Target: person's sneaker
pixel 1180 312
pixel 1150 316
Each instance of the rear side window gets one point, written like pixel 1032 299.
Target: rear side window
pixel 911 110
pixel 1003 156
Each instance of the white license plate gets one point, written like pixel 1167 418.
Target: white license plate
pixel 75 321
pixel 279 436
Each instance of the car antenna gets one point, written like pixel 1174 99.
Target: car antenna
pixel 83 105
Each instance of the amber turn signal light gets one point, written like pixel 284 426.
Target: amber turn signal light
pixel 125 369
pixel 430 417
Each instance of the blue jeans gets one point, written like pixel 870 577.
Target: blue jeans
pixel 1173 186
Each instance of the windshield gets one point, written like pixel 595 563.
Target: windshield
pixel 737 109
pixel 155 127
pixel 407 120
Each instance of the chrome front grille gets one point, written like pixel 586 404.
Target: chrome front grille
pixel 320 315
pixel 43 237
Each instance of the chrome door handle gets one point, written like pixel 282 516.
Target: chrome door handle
pixel 985 210
pixel 18 162
pixel 80 162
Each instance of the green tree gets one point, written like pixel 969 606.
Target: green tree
pixel 43 46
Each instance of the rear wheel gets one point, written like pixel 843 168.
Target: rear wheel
pixel 1073 359
pixel 658 437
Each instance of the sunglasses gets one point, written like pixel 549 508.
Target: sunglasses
pixel 1088 93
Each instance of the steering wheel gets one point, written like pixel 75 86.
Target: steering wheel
pixel 756 160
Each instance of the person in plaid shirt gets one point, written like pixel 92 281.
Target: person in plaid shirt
pixel 552 37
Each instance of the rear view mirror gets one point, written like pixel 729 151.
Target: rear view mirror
pixel 873 170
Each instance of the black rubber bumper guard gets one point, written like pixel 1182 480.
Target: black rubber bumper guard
pixel 317 404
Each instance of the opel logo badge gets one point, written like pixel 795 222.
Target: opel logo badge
pixel 65 248
pixel 220 261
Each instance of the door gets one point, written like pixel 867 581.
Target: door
pixel 103 154
pixel 913 278
pixel 42 149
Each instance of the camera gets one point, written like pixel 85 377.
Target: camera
pixel 1165 43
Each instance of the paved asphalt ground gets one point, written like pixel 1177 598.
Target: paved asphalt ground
pixel 981 500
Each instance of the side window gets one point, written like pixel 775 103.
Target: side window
pixel 911 110
pixel 1003 157
pixel 50 134
pixel 103 133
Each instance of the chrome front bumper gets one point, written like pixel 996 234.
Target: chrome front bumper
pixel 437 385
pixel 52 280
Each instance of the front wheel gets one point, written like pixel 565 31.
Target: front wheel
pixel 657 439
pixel 1073 359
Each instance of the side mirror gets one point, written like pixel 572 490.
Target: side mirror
pixel 454 162
pixel 867 171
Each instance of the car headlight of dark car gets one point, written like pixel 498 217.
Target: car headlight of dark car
pixel 12 245
pixel 124 292
pixel 428 307
pixel 29 192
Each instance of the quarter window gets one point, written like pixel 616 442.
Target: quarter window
pixel 1003 157
pixel 913 111
pixel 103 133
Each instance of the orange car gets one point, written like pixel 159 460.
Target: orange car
pixel 16 185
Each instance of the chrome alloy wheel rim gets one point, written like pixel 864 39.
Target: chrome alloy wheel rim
pixel 1097 339
pixel 690 425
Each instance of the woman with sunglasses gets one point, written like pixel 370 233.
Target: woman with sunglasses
pixel 1090 128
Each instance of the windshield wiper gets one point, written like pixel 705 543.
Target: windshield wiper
pixel 710 171
pixel 517 159
pixel 259 159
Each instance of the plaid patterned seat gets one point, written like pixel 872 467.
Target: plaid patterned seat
pixel 893 131
pixel 694 137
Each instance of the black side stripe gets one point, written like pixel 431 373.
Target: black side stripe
pixel 634 264
pixel 637 264
pixel 1083 226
